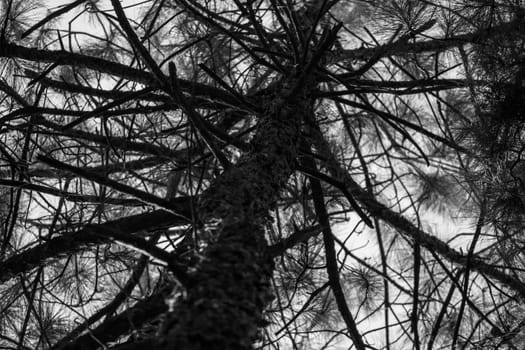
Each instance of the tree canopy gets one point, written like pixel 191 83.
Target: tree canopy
pixel 262 174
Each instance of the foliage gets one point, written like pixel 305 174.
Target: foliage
pixel 262 174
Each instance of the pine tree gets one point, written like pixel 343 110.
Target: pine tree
pixel 261 174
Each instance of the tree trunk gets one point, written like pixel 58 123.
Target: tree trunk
pixel 225 299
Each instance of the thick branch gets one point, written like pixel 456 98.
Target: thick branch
pixel 331 261
pixel 403 46
pixel 61 246
pixel 110 330
pixel 104 66
pixel 74 197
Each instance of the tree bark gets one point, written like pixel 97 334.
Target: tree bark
pixel 229 288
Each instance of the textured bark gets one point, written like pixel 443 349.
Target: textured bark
pixel 229 288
